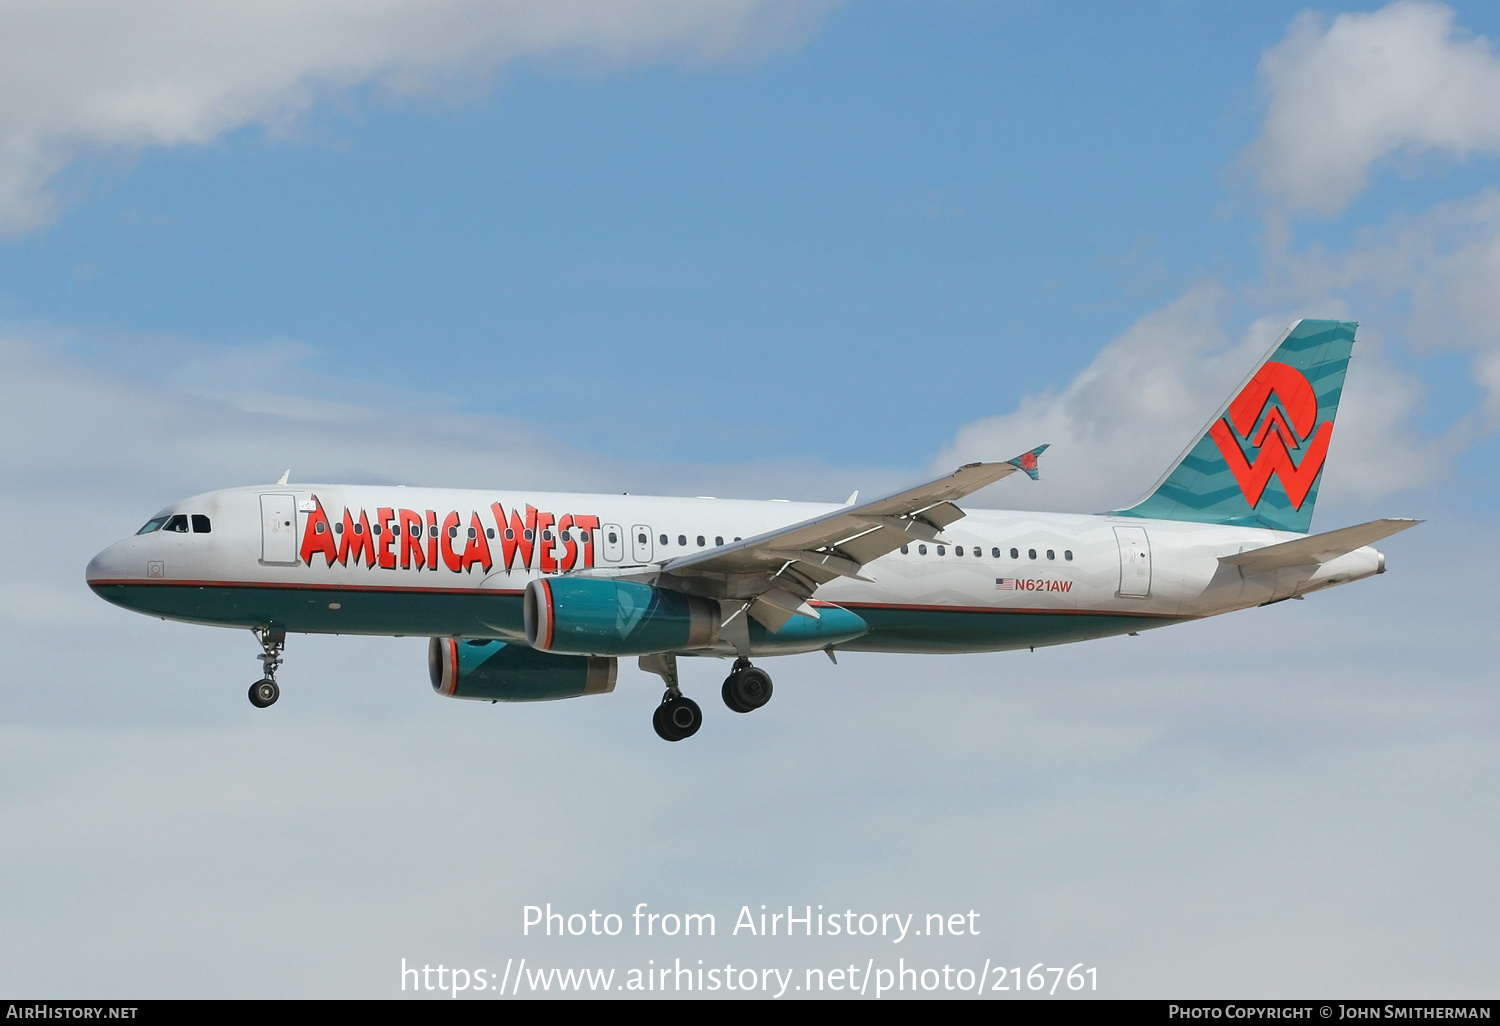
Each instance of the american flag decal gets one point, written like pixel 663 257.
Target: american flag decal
pixel 1005 584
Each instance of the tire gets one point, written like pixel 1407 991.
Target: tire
pixel 748 689
pixel 263 693
pixel 730 697
pixel 685 717
pixel 661 726
pixel 677 719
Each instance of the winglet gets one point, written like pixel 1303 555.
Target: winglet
pixel 289 474
pixel 1027 461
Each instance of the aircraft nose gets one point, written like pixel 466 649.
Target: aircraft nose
pixel 107 565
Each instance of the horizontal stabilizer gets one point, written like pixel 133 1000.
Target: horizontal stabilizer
pixel 1318 548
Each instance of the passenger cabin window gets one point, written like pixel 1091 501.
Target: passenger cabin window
pixel 201 524
pixel 682 539
pixel 958 550
pixel 995 552
pixel 718 539
pixel 1051 554
pixel 905 549
pixel 1015 554
pixel 700 541
pixel 154 524
pixel 1067 553
pixel 177 522
pixel 921 550
pixel 1031 553
pixel 664 539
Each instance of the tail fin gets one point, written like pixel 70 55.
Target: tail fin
pixel 1258 463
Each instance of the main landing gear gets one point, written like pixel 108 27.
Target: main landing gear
pixel 747 688
pixel 678 717
pixel 264 692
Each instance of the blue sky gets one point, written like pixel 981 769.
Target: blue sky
pixel 859 245
pixel 763 249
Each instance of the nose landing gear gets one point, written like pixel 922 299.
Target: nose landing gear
pixel 747 688
pixel 678 717
pixel 265 691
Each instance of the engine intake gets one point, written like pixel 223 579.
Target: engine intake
pixel 597 616
pixel 494 671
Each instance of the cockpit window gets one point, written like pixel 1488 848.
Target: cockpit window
pixel 154 524
pixel 177 522
pixel 201 524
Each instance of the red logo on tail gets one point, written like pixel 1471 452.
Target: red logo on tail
pixel 1275 438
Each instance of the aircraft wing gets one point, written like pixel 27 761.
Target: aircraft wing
pixel 777 572
pixel 1317 548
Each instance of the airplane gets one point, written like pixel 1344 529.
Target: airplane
pixel 530 596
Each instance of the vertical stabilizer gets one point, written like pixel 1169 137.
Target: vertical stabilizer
pixel 1259 462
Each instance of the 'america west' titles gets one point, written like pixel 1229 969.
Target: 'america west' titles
pixel 409 539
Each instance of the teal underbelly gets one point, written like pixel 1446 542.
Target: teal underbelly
pixel 496 614
pixel 935 629
pixel 384 611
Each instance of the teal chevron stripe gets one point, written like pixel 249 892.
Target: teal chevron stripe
pixel 1201 487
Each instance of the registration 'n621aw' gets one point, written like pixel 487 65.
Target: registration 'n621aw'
pixel 532 596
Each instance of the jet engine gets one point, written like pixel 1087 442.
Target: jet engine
pixel 598 616
pixel 494 671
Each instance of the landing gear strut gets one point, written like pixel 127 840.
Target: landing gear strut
pixel 264 692
pixel 747 688
pixel 678 717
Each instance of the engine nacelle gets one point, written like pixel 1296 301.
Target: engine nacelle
pixel 600 616
pixel 494 671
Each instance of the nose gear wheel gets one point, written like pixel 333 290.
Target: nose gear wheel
pixel 264 692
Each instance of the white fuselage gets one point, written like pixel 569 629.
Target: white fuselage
pixel 438 562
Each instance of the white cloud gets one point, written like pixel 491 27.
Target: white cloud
pixel 1345 95
pixel 1441 268
pixel 1122 421
pixel 165 839
pixel 133 73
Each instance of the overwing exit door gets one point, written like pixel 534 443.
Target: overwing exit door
pixel 614 543
pixel 640 544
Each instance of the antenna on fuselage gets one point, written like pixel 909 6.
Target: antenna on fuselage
pixel 284 475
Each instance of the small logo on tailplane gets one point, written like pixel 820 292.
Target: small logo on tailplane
pixel 1274 431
